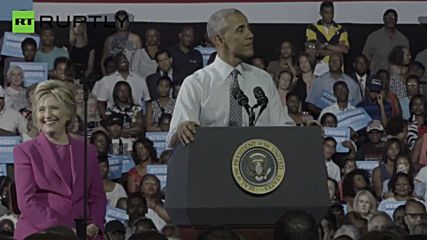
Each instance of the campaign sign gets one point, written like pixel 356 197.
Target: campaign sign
pixel 115 170
pixel 368 166
pixel 340 135
pixel 127 163
pixel 116 214
pixel 159 140
pixel 6 148
pixel 33 72
pixel 161 172
pixel 389 206
pixel 326 100
pixel 356 119
pixel 12 44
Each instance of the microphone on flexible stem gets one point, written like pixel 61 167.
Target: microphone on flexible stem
pixel 262 100
pixel 243 101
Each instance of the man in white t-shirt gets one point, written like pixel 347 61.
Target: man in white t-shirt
pixel 104 88
pixel 329 149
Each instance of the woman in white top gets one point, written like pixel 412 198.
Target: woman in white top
pixel 15 92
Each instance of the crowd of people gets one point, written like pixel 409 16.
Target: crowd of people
pixel 143 88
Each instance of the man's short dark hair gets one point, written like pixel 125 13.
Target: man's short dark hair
pixel 28 41
pixel 137 195
pixel 185 28
pixel 326 4
pixel 362 56
pixel 295 225
pixel 329 139
pixel 60 60
pixel 292 94
pixel 390 10
pixel 160 52
pixel 218 233
pixel 339 83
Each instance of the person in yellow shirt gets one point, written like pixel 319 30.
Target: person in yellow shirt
pixel 332 37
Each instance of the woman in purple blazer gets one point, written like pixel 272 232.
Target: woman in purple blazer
pixel 49 169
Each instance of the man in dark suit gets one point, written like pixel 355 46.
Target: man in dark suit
pixel 361 73
pixel 164 63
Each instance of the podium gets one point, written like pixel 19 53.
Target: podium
pixel 202 189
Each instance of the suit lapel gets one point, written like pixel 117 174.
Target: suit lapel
pixel 76 166
pixel 51 157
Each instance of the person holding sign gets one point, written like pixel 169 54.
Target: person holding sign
pixel 321 94
pixel 49 169
pixel 342 104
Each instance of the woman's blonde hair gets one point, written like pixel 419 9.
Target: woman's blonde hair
pixel 14 68
pixel 62 92
pixel 372 201
pixel 72 36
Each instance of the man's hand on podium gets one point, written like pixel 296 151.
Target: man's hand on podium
pixel 186 132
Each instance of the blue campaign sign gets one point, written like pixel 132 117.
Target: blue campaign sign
pixel 6 148
pixel 389 206
pixel 368 166
pixel 116 214
pixel 12 43
pixel 33 72
pixel 7 7
pixel 326 100
pixel 127 164
pixel 161 172
pixel 115 170
pixel 159 140
pixel 340 135
pixel 356 119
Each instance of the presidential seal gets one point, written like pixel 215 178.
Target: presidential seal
pixel 258 166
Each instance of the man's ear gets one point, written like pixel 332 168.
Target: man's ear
pixel 218 40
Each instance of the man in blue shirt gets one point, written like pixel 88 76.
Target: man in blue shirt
pixel 375 104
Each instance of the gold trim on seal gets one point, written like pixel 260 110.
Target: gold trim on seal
pixel 253 154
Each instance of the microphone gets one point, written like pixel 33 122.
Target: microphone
pixel 242 99
pixel 262 100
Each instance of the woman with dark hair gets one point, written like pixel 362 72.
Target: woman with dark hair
pixel 389 96
pixel 399 60
pixel 416 119
pixel 144 154
pixel 101 140
pixel 151 189
pixel 354 181
pixel 164 104
pixel 131 113
pixel 284 85
pixel 333 190
pixel 402 187
pixel 403 165
pixel 305 78
pixel 284 62
pixel 385 170
pixel 293 103
pixel 329 120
